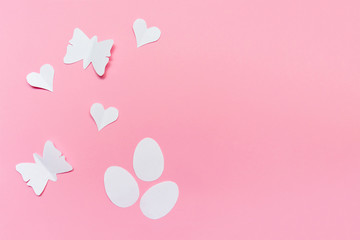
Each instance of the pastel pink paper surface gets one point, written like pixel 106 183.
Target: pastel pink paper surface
pixel 255 104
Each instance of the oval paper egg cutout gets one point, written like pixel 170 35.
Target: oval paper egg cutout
pixel 159 199
pixel 148 161
pixel 121 187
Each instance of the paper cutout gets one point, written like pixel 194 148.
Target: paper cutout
pixel 45 168
pixel 121 187
pixel 44 79
pixel 159 200
pixel 123 190
pixel 89 50
pixel 103 117
pixel 143 34
pixel 148 160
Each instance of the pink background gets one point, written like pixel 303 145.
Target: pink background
pixel 255 104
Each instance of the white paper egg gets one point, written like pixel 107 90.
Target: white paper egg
pixel 159 199
pixel 148 160
pixel 121 187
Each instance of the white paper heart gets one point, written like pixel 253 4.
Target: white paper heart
pixel 143 34
pixel 44 79
pixel 103 117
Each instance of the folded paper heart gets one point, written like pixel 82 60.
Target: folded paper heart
pixel 143 34
pixel 103 117
pixel 44 79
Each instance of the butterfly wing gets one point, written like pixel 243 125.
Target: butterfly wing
pixel 53 160
pixel 35 175
pixel 100 55
pixel 79 47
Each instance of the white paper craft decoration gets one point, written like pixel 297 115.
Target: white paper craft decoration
pixel 148 160
pixel 123 190
pixel 89 50
pixel 44 79
pixel 103 117
pixel 158 200
pixel 45 168
pixel 143 34
pixel 121 187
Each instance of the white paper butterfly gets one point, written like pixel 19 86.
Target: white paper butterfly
pixel 89 50
pixel 45 168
